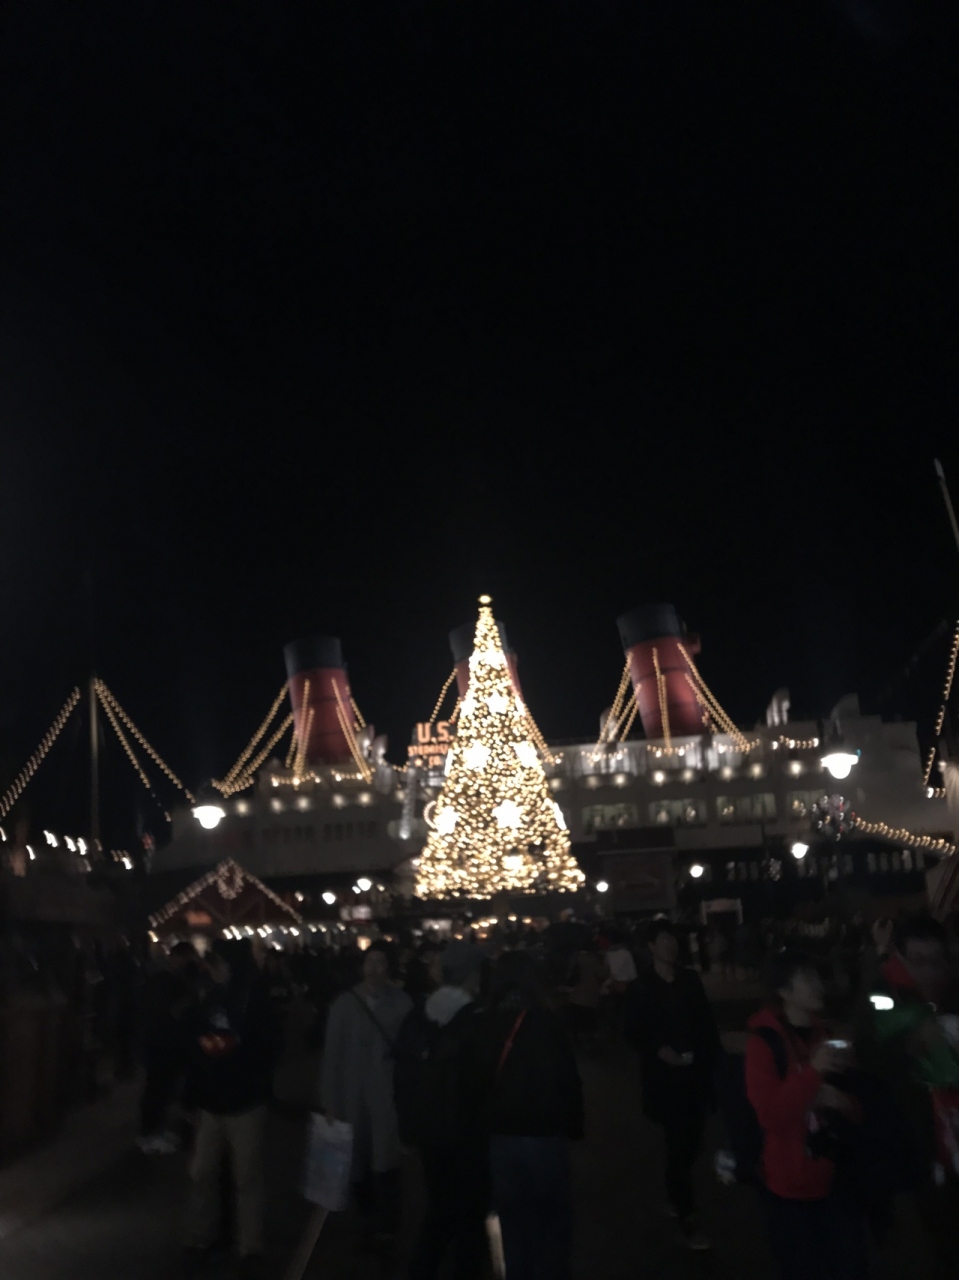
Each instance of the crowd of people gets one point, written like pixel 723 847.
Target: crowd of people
pixel 468 1054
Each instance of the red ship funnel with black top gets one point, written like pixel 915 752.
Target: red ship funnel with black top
pixel 461 642
pixel 320 695
pixel 652 635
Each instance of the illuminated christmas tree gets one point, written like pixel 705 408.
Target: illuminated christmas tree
pixel 495 826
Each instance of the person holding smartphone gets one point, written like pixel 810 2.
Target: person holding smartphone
pixel 814 1232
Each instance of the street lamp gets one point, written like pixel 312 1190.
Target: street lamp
pixel 601 886
pixel 209 815
pixel 208 810
pixel 696 870
pixel 329 898
pixel 799 849
pixel 364 885
pixel 839 763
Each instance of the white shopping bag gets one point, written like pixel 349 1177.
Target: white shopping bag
pixel 329 1156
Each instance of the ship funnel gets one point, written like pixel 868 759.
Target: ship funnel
pixel 652 636
pixel 320 696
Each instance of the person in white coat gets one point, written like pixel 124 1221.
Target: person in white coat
pixel 357 1084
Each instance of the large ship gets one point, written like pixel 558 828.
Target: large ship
pixel 696 805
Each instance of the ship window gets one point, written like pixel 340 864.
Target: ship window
pixel 607 817
pixel 760 806
pixel 678 813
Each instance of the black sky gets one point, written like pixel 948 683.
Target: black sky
pixel 330 316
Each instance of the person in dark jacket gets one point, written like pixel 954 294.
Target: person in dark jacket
pixel 229 1081
pixel 440 1108
pixel 815 1233
pixel 672 1025
pixel 535 1107
pixel 168 1003
pixel 908 1036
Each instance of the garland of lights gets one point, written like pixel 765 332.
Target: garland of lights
pixel 615 712
pixel 713 708
pixel 632 716
pixel 901 836
pixel 947 690
pixel 251 745
pixel 241 784
pixel 229 875
pixel 663 705
pixel 495 827
pixel 442 698
pixel 105 695
pixel 16 788
pixel 713 701
pixel 350 736
pixel 131 755
pixel 360 722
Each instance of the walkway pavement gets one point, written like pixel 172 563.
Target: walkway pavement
pixel 125 1221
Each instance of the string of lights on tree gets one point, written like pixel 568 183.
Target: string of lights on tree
pixel 494 825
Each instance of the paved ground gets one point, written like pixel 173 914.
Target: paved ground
pixel 126 1222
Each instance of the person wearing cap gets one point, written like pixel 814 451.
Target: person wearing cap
pixel 440 1101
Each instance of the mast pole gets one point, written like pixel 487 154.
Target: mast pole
pixel 948 500
pixel 94 768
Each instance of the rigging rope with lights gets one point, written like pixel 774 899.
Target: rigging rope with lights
pixel 940 718
pixel 623 711
pixel 108 701
pixel 251 745
pixel 19 784
pixel 899 835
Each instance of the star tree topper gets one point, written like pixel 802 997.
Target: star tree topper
pixel 495 826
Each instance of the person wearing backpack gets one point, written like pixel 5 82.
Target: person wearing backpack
pixel 440 1107
pixel 815 1233
pixel 535 1106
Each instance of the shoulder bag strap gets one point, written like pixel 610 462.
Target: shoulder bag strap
pixel 373 1018
pixel 509 1041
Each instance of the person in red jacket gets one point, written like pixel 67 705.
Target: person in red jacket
pixel 814 1234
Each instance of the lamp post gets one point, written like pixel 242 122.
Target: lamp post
pixel 208 810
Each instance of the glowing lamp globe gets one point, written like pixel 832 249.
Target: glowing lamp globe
pixel 209 815
pixel 601 886
pixel 839 763
pixel 799 849
pixel 329 898
pixel 882 1003
pixel 364 885
pixel 696 870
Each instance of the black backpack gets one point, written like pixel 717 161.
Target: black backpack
pixel 742 1160
pixel 429 1079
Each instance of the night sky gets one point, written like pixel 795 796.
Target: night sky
pixel 329 317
